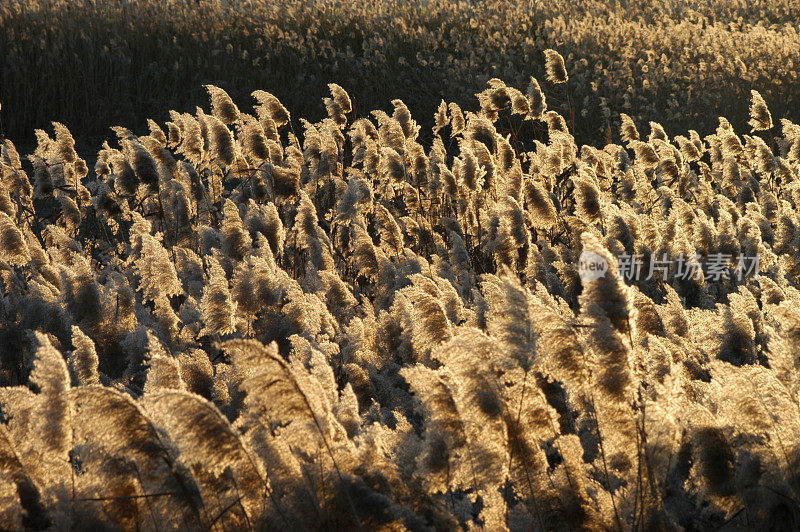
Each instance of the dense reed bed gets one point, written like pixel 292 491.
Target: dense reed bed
pixel 234 323
pixel 88 64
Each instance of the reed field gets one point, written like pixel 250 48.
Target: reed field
pixel 90 64
pixel 399 265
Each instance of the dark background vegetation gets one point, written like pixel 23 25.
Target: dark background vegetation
pixel 94 64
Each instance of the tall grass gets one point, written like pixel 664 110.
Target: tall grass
pixel 238 326
pixel 91 64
